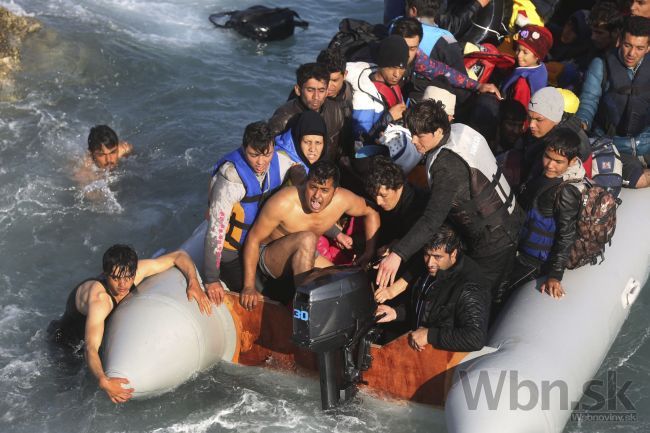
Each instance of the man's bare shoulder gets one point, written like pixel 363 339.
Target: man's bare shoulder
pixel 284 197
pixel 345 195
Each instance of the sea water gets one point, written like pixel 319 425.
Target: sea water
pixel 181 92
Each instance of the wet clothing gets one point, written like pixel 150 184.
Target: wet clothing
pixel 70 329
pixel 553 206
pixel 454 306
pixel 333 115
pixel 615 102
pixel 227 190
pixel 466 189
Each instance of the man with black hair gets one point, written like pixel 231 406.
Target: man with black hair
pixel 400 205
pixel 240 182
pixel 438 43
pixel 338 89
pixel 92 301
pixel 450 301
pixel 605 21
pixel 615 99
pixel 466 189
pixel 422 69
pixel 552 202
pixel 283 239
pixel 312 82
pixel 104 152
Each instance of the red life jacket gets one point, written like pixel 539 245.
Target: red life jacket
pixel 392 95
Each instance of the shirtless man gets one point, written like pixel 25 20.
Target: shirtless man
pixel 283 238
pixel 91 302
pixel 104 152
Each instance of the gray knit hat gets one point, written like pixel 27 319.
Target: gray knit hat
pixel 549 103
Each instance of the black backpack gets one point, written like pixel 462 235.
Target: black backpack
pixel 355 35
pixel 261 23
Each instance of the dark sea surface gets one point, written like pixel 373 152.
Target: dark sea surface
pixel 181 92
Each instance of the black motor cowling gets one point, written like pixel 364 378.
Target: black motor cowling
pixel 333 315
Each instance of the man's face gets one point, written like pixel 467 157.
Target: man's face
pixel 387 198
pixel 640 8
pixel 319 195
pixel 313 93
pixel 119 284
pixel 413 44
pixel 554 164
pixel 439 260
pixel 426 141
pixel 312 147
pixel 602 38
pixel 512 129
pixel 392 75
pixel 539 125
pixel 259 161
pixel 105 157
pixel 337 79
pixel 633 48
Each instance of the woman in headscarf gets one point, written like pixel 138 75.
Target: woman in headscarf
pixel 305 142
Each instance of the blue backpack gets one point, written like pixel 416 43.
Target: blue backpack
pixel 606 165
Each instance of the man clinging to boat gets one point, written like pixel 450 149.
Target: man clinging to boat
pixel 283 239
pixel 92 301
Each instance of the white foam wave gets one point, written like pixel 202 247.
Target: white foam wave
pixel 177 23
pixel 276 414
pixel 14 8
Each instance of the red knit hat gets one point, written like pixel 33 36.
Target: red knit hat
pixel 537 39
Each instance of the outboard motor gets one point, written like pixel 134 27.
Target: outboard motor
pixel 333 316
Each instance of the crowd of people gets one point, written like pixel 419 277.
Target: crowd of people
pixel 452 185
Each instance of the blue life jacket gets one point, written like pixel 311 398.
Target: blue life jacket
pixel 284 143
pixel 624 108
pixel 430 37
pixel 538 233
pixel 244 213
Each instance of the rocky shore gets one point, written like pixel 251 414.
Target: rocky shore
pixel 13 30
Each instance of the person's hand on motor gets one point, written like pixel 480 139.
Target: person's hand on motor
pixel 387 269
pixel 390 312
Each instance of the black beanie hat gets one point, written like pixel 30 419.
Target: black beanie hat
pixel 394 52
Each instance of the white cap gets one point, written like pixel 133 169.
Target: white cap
pixel 447 98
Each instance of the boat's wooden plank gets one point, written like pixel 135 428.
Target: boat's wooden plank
pixel 397 370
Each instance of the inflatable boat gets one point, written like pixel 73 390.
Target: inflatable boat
pixel 549 345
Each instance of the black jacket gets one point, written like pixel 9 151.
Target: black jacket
pixel 449 192
pixel 397 222
pixel 332 115
pixel 562 200
pixel 455 308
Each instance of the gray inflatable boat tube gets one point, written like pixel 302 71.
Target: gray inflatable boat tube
pixel 547 349
pixel 158 340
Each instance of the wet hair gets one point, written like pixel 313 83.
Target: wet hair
pixel 445 237
pixel 323 170
pixel 333 60
pixel 258 136
pixel 565 142
pixel 636 26
pixel 120 261
pixel 606 14
pixel 425 8
pixel 314 70
pixel 513 110
pixel 427 117
pixel 383 172
pixel 407 28
pixel 101 135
